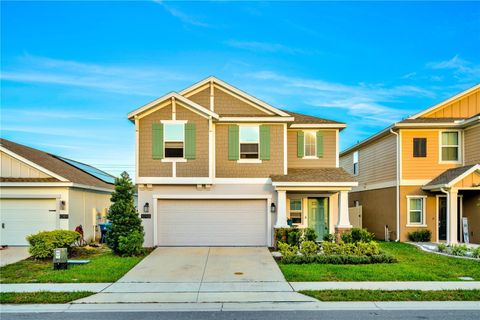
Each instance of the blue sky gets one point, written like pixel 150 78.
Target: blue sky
pixel 70 72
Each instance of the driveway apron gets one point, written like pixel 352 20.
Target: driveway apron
pixel 201 275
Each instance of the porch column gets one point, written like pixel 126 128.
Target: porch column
pixel 281 209
pixel 343 217
pixel 452 223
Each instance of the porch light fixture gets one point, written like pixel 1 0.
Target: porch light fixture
pixel 273 208
pixel 62 205
pixel 146 207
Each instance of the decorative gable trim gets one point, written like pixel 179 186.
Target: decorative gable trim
pixel 237 92
pixel 157 104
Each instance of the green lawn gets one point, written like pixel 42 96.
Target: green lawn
pixel 103 267
pixel 41 297
pixel 403 295
pixel 413 265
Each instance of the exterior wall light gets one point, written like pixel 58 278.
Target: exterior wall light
pixel 273 208
pixel 146 207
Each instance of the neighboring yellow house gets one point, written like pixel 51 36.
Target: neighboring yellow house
pixel 40 191
pixel 422 173
pixel 217 166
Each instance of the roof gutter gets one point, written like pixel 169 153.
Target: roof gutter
pixel 397 184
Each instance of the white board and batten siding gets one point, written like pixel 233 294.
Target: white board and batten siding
pixel 212 222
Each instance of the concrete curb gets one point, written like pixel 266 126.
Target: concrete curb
pixel 387 285
pixel 53 287
pixel 265 306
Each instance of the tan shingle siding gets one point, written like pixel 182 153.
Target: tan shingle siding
pixel 231 169
pixel 148 167
pixel 199 166
pixel 202 98
pixel 472 145
pixel 329 151
pixel 228 104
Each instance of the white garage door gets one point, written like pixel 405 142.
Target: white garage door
pixel 22 217
pixel 212 223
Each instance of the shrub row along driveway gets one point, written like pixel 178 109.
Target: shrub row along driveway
pixel 413 265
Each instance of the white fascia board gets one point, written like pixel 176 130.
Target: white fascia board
pixel 176 180
pixel 314 184
pixel 242 181
pixel 237 91
pixel 32 164
pixel 463 175
pixel 438 105
pixel 30 196
pixel 54 184
pixel 469 121
pixel 211 196
pixel 176 96
pixel 319 125
pixel 428 125
pixel 255 119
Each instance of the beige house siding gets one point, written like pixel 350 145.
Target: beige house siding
pixel 471 210
pixel 376 163
pixel 472 145
pixel 463 107
pixel 378 210
pixel 202 97
pixel 231 169
pixel 13 168
pixel 422 168
pixel 329 158
pixel 227 104
pixel 147 166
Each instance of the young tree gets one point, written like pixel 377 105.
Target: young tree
pixel 125 235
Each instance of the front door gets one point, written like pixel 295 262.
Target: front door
pixel 318 216
pixel 442 218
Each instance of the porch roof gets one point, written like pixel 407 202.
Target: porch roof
pixel 450 177
pixel 317 176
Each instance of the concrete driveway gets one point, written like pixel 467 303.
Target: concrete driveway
pixel 13 254
pixel 202 275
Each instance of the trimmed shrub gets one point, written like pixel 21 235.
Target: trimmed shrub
pixel 442 247
pixel 458 250
pixel 287 250
pixel 293 237
pixel 309 234
pixel 339 259
pixel 124 217
pixel 131 245
pixel 420 236
pixel 356 235
pixel 367 248
pixel 476 252
pixel 329 237
pixel 308 248
pixel 44 243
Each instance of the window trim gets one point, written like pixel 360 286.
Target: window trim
pixel 424 211
pixel 305 144
pixel 459 147
pixel 173 159
pixel 248 160
pixel 353 163
pixel 296 211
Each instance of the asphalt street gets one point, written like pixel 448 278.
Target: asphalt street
pixel 247 315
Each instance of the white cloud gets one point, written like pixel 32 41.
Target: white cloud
pixel 461 68
pixel 182 16
pixel 263 47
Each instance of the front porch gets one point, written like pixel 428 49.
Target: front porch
pixel 314 198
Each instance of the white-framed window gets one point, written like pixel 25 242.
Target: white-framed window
pixel 416 210
pixel 249 141
pixel 296 211
pixel 355 163
pixel 450 146
pixel 310 143
pixel 174 140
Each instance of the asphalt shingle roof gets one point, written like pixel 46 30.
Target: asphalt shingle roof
pixel 449 175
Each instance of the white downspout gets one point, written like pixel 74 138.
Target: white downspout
pixel 398 185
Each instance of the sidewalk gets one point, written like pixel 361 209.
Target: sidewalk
pixel 187 307
pixel 167 287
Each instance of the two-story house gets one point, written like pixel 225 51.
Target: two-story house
pixel 217 166
pixel 422 173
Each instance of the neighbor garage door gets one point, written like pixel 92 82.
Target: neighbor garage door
pixel 22 217
pixel 212 223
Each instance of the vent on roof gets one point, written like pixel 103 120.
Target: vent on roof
pixel 97 173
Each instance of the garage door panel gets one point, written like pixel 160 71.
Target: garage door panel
pixel 212 222
pixel 22 217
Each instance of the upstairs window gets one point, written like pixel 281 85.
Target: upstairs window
pixel 419 147
pixel 450 146
pixel 174 140
pixel 310 144
pixel 355 163
pixel 296 211
pixel 249 138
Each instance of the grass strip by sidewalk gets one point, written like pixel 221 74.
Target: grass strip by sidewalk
pixel 41 297
pixel 104 266
pixel 413 265
pixel 401 295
